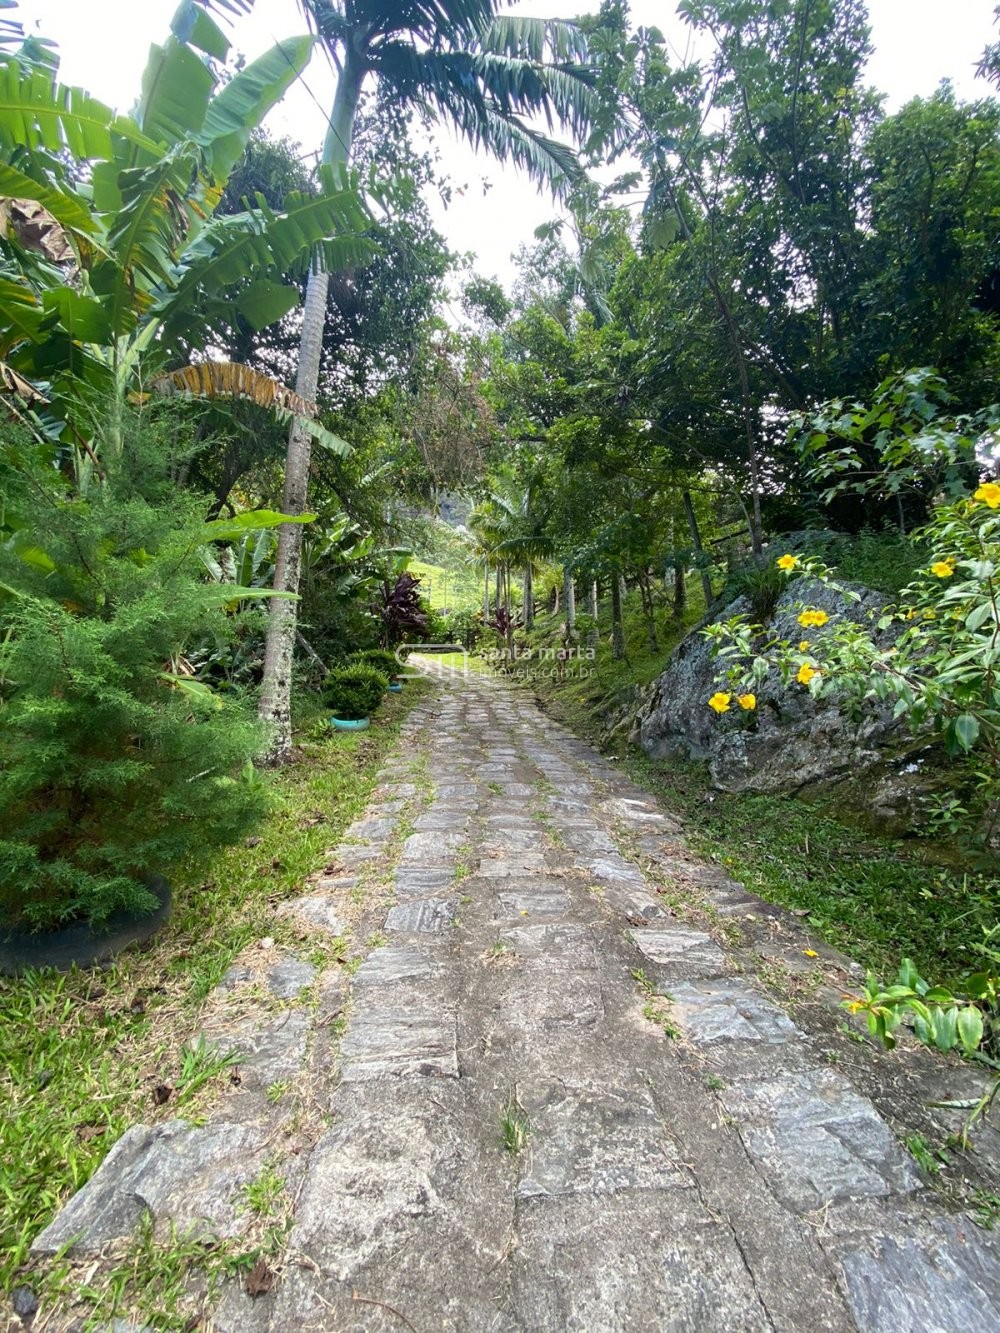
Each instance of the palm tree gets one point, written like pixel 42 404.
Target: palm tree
pixel 488 75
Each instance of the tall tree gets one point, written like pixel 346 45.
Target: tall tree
pixel 486 73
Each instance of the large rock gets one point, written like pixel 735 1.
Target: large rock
pixel 792 742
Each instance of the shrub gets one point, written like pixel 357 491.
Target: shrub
pixel 354 692
pixel 761 584
pixel 116 764
pixel 384 661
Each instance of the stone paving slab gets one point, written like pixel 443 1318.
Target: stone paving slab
pixel 817 1141
pixel 191 1175
pixel 596 1140
pixel 683 955
pixel 529 903
pixel 943 1281
pixel 430 915
pixel 627 1264
pixel 430 847
pixel 417 881
pixel 730 1011
pixel 319 910
pixel 405 1041
pixel 384 966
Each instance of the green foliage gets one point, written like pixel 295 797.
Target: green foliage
pixel 762 584
pixel 354 692
pixel 385 662
pixel 935 655
pixel 964 1019
pixel 76 1049
pixel 116 763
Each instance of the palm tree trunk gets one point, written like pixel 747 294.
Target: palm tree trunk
pixel 276 687
pixel 617 627
pixel 592 610
pixel 486 592
pixel 529 599
pixel 569 599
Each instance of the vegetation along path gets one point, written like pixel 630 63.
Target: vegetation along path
pixel 546 1099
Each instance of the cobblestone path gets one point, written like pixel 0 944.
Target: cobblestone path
pixel 555 1104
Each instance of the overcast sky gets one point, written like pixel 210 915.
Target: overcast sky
pixel 104 46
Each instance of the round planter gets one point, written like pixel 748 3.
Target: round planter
pixel 395 687
pixel 83 946
pixel 349 724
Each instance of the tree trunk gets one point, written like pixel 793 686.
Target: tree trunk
pixel 569 600
pixel 486 592
pixel 680 583
pixel 510 612
pixel 592 610
pixel 275 705
pixel 699 550
pixel 528 594
pixel 649 610
pixel 617 628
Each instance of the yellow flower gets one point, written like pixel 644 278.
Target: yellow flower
pixel 810 953
pixel 747 701
pixel 942 569
pixel 806 673
pixel 804 646
pixel 720 702
pixel 813 618
pixel 788 561
pixel 989 494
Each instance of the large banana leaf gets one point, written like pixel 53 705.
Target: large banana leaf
pixel 176 90
pixel 245 100
pixel 260 244
pixel 36 112
pixel 63 204
pixel 230 379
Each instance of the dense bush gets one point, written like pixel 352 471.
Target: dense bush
pixel 115 763
pixel 354 692
pixel 384 661
pixel 464 627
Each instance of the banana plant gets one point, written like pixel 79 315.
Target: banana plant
pixel 112 264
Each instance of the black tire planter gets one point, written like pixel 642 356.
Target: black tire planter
pixel 82 946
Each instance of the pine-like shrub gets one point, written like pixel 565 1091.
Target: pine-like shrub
pixel 381 659
pixel 354 692
pixel 113 765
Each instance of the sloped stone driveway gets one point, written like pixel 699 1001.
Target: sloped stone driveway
pixel 557 1104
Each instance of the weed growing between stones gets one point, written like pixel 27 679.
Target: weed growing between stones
pixel 514 1126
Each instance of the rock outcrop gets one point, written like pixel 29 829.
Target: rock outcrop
pixel 791 742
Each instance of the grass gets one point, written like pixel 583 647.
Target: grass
pixel 514 1127
pixel 87 1054
pixel 878 899
pixel 447 589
